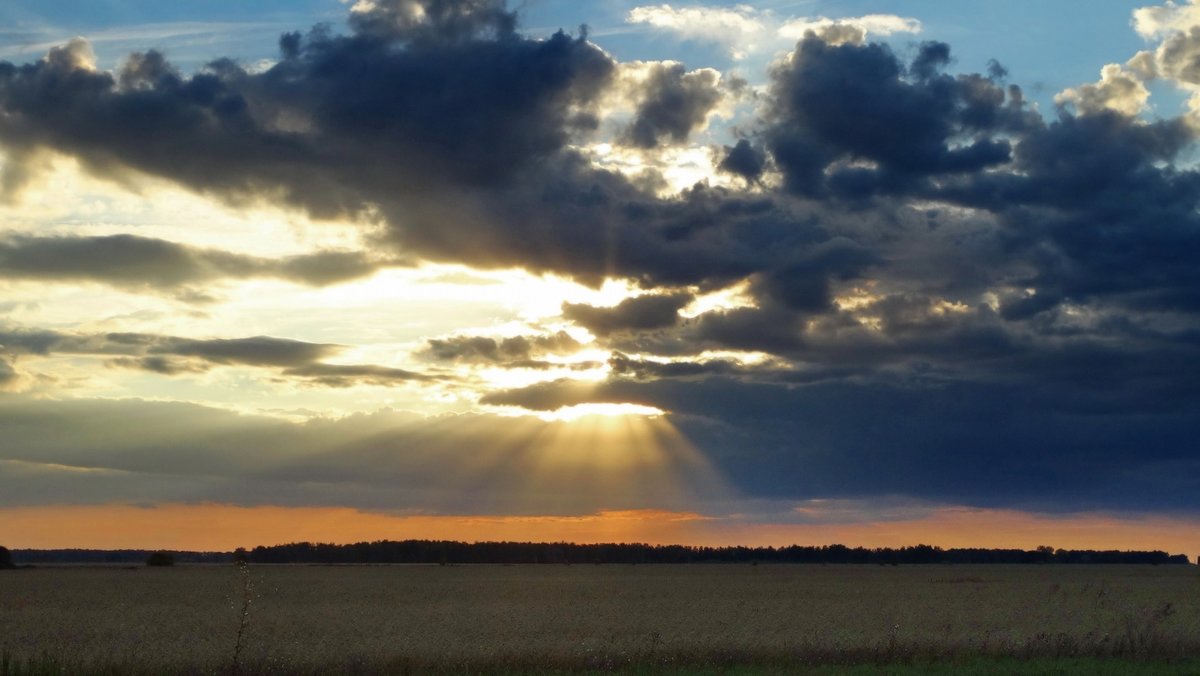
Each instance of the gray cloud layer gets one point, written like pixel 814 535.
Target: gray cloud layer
pixel 514 349
pixel 173 355
pixel 146 264
pixel 634 314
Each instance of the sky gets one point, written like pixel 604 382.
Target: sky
pixel 871 272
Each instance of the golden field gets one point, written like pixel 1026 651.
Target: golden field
pixel 331 619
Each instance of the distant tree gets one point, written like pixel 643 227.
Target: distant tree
pixel 6 561
pixel 241 556
pixel 161 559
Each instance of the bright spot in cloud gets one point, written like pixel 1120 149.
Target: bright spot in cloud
pixel 601 410
pixel 745 29
pixel 729 298
pixel 871 24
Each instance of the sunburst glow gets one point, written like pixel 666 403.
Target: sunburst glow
pixel 603 410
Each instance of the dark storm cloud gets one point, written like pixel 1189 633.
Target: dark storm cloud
pixel 1092 207
pixel 673 103
pixel 771 329
pixel 805 284
pixel 745 160
pixel 1117 221
pixel 515 349
pixel 640 313
pixel 834 103
pixel 454 131
pixel 411 122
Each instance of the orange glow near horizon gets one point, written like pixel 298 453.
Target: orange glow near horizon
pixel 219 527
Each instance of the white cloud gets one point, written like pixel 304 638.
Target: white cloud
pixel 1173 29
pixel 877 24
pixel 745 29
pixel 720 24
pixel 1118 89
pixel 1176 28
pixel 1156 22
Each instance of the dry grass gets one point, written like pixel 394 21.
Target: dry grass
pixel 465 618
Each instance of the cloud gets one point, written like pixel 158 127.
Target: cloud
pixel 76 54
pixel 11 379
pixel 737 25
pixel 433 20
pixel 1177 56
pixel 481 174
pixel 672 104
pixel 153 265
pixel 1156 21
pixel 804 284
pixel 645 369
pixel 745 160
pixel 439 127
pixel 746 29
pixel 844 104
pixel 846 126
pixel 485 349
pixel 159 364
pixel 639 313
pixel 256 351
pixel 976 303
pixel 1118 90
pixel 174 355
pixel 346 375
pixel 850 30
pixel 916 440
pixel 1176 28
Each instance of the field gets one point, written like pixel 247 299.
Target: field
pixel 647 619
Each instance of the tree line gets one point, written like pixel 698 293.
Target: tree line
pixel 112 556
pixel 452 552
